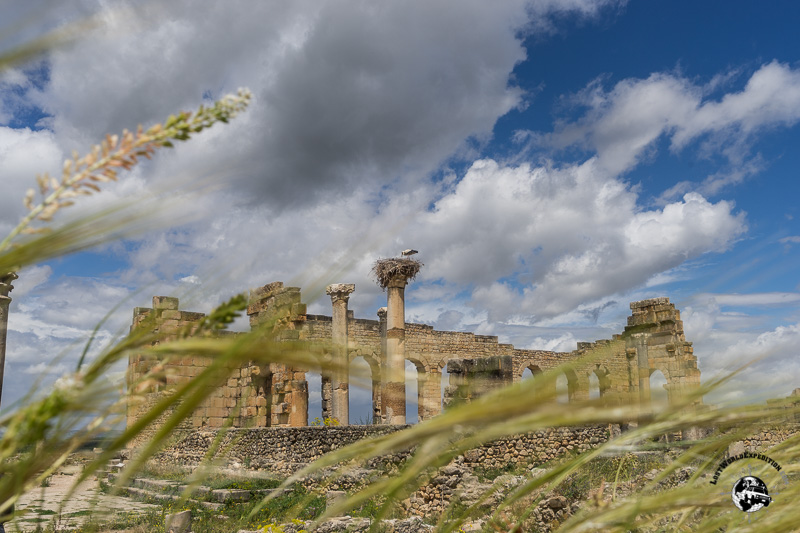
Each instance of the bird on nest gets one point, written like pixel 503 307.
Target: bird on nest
pixel 408 253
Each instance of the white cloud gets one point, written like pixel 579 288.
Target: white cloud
pixel 45 368
pixel 540 241
pixel 344 93
pixel 622 124
pixel 563 343
pixel 24 153
pixel 757 299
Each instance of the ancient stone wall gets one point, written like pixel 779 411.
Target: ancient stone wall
pixel 286 450
pixel 765 439
pixel 474 377
pixel 617 370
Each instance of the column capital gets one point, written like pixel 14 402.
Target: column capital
pixel 398 281
pixel 340 291
pixel 382 313
pixel 5 282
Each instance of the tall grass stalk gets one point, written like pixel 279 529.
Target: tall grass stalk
pixel 39 436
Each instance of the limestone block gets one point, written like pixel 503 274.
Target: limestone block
pixel 178 522
pixel 165 302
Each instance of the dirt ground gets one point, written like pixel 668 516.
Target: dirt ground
pixel 44 506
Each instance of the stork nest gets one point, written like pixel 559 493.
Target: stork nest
pixel 386 269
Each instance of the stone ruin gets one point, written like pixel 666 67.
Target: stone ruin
pixel 275 395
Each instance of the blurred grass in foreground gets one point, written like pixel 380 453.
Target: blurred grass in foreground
pixel 39 434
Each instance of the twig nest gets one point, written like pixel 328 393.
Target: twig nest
pixel 387 269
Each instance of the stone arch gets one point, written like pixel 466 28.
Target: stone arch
pixel 659 386
pixel 566 386
pixel 429 386
pixel 444 380
pixel 373 362
pixel 534 369
pixel 262 394
pixel 599 382
pixel 413 389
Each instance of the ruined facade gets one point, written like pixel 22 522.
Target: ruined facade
pixel 274 395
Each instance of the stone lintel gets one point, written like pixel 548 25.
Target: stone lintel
pixel 663 300
pixel 265 291
pixel 141 311
pixel 165 302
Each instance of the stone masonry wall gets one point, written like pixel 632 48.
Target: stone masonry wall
pixel 277 396
pixel 285 450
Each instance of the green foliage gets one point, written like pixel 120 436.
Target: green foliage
pixel 327 422
pixel 491 473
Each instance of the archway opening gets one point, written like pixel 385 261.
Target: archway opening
pixel 361 380
pixel 314 380
pixel 594 387
pixel 562 389
pixel 443 386
pixel 262 389
pixel 658 391
pixel 566 386
pixel 412 393
pixel 529 373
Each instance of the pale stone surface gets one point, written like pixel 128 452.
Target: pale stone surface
pixel 178 522
pixel 340 386
pixel 87 497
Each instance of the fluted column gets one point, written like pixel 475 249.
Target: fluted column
pixel 5 301
pixel 340 378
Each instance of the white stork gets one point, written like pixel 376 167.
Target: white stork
pixel 409 252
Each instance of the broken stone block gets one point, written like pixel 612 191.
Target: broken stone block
pixel 165 302
pixel 178 522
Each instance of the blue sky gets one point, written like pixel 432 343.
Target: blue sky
pixel 551 160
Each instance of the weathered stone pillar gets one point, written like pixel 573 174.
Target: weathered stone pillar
pixel 640 343
pixel 5 301
pixel 394 397
pixel 393 276
pixel 340 394
pixel 377 398
pixel 430 394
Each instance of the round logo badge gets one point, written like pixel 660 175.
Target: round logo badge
pixel 750 494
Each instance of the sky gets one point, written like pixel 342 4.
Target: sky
pixel 551 160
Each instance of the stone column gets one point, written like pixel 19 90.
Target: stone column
pixel 430 394
pixel 340 398
pixel 394 396
pixel 640 343
pixel 379 412
pixel 5 301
